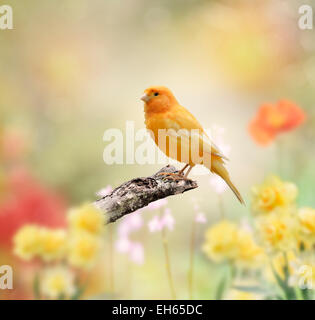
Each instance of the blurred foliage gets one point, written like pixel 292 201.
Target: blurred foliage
pixel 72 69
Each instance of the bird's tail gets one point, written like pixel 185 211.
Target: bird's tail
pixel 217 166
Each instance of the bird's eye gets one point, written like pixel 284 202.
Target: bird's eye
pixel 156 93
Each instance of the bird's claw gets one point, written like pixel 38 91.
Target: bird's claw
pixel 174 175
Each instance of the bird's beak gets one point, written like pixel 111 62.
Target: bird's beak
pixel 145 98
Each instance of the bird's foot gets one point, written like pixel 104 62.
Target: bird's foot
pixel 174 175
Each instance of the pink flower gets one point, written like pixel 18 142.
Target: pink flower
pixel 136 253
pixel 104 192
pixel 123 229
pixel 123 245
pixel 155 224
pixel 131 223
pixel 168 219
pixel 200 218
pixel 134 249
pixel 158 223
pixel 157 204
pixel 134 221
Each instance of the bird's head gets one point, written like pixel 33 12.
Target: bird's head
pixel 158 98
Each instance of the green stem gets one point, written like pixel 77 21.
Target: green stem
pixel 129 279
pixel 191 260
pixel 289 292
pixel 167 262
pixel 111 259
pixel 36 286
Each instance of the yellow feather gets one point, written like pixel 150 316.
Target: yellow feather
pixel 162 111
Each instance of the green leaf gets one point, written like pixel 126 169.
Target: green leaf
pixel 289 292
pixel 78 293
pixel 307 294
pixel 280 281
pixel 253 289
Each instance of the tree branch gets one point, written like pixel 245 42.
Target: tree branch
pixel 139 192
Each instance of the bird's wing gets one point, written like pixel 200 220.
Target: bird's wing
pixel 190 129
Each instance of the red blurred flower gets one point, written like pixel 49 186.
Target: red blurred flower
pixel 27 201
pixel 271 120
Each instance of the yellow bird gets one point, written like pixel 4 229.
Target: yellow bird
pixel 180 136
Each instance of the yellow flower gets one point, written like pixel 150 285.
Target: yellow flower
pixel 273 193
pixel 221 241
pixel 34 241
pixel 87 218
pixel 27 242
pixel 241 295
pixel 224 241
pixel 249 254
pixel 304 273
pixel 307 220
pixel 53 244
pixel 84 249
pixel 56 282
pixel 278 231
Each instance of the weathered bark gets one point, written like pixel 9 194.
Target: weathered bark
pixel 139 192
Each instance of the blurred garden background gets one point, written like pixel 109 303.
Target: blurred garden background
pixel 72 69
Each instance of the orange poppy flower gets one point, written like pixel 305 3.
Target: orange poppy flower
pixel 272 120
